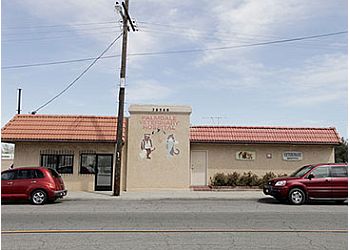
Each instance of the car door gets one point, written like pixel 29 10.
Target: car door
pixel 339 181
pixel 320 184
pixel 7 178
pixel 23 180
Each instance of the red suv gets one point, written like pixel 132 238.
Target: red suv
pixel 311 182
pixel 37 184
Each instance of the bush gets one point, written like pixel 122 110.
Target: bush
pixel 219 180
pixel 246 179
pixel 232 179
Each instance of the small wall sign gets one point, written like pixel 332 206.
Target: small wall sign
pixel 292 156
pixel 245 155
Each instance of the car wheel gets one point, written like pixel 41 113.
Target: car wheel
pixel 38 197
pixel 296 196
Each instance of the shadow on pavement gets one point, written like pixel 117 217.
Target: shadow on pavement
pixel 24 202
pixel 270 200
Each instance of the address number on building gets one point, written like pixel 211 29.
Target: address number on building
pixel 292 156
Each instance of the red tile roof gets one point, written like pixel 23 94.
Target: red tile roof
pixel 103 129
pixel 61 128
pixel 255 135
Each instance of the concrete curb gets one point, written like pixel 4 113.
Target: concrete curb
pixel 169 195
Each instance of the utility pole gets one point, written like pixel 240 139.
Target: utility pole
pixel 19 97
pixel 123 11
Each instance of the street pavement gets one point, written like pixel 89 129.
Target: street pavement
pixel 173 220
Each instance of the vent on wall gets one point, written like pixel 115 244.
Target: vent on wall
pixel 161 110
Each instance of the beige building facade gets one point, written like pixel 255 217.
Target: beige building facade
pixel 161 150
pixel 210 159
pixel 32 153
pixel 158 147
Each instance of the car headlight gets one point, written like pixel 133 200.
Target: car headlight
pixel 280 183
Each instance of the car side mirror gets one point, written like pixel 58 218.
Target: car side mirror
pixel 311 176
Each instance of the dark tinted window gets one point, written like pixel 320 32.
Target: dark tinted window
pixel 25 174
pixel 339 171
pixel 88 164
pixel 38 174
pixel 9 175
pixel 321 172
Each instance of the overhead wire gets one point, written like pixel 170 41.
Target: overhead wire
pixel 57 25
pixel 78 77
pixel 239 38
pixel 183 51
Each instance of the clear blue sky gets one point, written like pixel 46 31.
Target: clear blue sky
pixel 301 84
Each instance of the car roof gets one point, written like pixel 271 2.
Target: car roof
pixel 330 164
pixel 20 168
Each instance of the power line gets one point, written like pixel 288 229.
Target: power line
pixel 77 78
pixel 58 31
pixel 182 51
pixel 75 35
pixel 58 25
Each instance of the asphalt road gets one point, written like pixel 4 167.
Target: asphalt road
pixel 174 224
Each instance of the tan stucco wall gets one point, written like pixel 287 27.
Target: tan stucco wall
pixel 28 154
pixel 6 163
pixel 163 170
pixel 222 158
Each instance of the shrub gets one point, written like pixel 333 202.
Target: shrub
pixel 219 179
pixel 232 179
pixel 246 179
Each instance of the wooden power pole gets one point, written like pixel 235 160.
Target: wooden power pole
pixel 126 19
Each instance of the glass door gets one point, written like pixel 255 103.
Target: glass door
pixel 103 178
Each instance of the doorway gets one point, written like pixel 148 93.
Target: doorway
pixel 103 177
pixel 199 168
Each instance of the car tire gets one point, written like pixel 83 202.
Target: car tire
pixel 340 201
pixel 296 196
pixel 38 197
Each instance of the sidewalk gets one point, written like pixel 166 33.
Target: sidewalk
pixel 160 195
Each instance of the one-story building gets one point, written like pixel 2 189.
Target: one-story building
pixel 161 150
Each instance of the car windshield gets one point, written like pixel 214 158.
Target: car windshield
pixel 300 172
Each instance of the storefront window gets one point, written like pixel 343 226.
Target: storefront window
pixel 63 164
pixel 88 164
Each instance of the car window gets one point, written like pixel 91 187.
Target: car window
pixel 300 172
pixel 25 174
pixel 9 175
pixel 38 174
pixel 321 172
pixel 339 171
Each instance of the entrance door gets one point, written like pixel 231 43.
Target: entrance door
pixel 198 168
pixel 103 177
